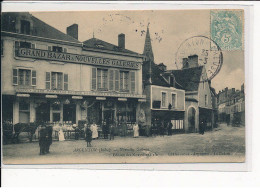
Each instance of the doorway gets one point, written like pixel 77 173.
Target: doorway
pixel 69 113
pixel 191 119
pixel 43 112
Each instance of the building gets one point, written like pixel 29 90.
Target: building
pixel 231 105
pixel 51 76
pixel 198 94
pixel 164 101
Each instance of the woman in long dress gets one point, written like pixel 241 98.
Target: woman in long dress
pixel 136 130
pixel 61 134
pixel 94 130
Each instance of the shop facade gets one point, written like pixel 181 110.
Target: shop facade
pixel 52 77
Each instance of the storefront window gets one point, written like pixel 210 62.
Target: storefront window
pixel 24 112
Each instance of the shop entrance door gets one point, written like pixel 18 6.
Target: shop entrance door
pixel 69 113
pixel 108 116
pixel 43 112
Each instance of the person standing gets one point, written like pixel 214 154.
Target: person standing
pixel 112 131
pixel 48 138
pixel 136 130
pixel 42 139
pixel 61 134
pixel 94 130
pixel 169 128
pixel 88 136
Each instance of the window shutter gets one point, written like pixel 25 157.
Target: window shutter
pixel 15 76
pixel 94 78
pixel 132 81
pixel 111 79
pixel 33 78
pixel 48 80
pixel 116 80
pixel 66 81
pixel 121 80
pixel 49 48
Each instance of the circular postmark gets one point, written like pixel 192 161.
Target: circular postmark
pixel 200 51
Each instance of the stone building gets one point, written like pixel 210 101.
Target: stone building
pixel 51 76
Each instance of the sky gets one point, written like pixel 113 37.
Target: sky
pixel 168 29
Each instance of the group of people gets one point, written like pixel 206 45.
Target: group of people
pixel 162 128
pixel 45 139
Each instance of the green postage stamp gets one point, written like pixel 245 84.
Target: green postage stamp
pixel 227 28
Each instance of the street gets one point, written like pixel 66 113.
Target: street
pixel 223 144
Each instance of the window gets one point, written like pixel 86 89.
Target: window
pixel 206 100
pixel 25 27
pixel 102 79
pixel 25 45
pixel 164 100
pixel 56 81
pixel 124 80
pixel 173 100
pixel 2 47
pixel 57 49
pixel 23 77
pixel 113 80
pixel 24 112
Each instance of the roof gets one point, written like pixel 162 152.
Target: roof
pixel 188 78
pixel 156 75
pixel 191 99
pixel 40 28
pixel 102 45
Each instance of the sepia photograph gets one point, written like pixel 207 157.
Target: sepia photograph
pixel 123 86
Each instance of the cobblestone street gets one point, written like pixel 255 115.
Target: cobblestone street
pixel 225 141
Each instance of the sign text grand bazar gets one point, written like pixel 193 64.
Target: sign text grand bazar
pixel 74 58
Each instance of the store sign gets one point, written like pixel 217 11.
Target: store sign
pixel 23 95
pixel 74 58
pixel 51 96
pixel 122 99
pixel 79 93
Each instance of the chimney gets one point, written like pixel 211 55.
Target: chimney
pixel 185 63
pixel 193 61
pixel 73 31
pixel 121 41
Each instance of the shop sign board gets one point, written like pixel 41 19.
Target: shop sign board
pixel 79 93
pixel 75 58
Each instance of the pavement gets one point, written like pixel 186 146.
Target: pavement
pixel 223 144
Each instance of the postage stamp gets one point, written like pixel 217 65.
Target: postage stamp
pixel 227 28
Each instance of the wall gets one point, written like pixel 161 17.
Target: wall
pixel 204 91
pixel 157 95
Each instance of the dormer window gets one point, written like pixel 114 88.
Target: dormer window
pixel 25 44
pixel 99 46
pixel 57 49
pixel 25 27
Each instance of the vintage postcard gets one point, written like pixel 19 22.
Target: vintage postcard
pixel 135 86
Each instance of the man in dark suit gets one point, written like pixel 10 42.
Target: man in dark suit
pixel 42 139
pixel 48 138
